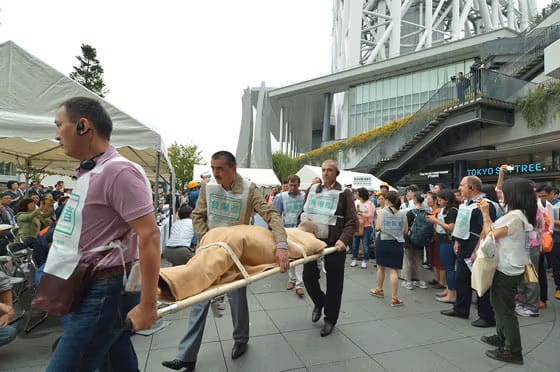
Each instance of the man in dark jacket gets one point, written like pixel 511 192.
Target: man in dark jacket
pixel 332 208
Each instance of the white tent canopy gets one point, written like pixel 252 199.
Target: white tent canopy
pixel 356 179
pixel 260 177
pixel 30 93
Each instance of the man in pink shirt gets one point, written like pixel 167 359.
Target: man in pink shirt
pixel 111 211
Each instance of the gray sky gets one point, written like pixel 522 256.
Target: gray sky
pixel 180 66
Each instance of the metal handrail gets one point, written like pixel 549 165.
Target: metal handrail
pixel 533 47
pixel 453 95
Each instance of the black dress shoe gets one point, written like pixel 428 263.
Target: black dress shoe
pixel 483 323
pixel 327 329
pixel 504 355
pixel 238 350
pixel 177 364
pixel 316 314
pixel 452 312
pixel 493 340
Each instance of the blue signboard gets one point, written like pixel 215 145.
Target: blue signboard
pixel 517 168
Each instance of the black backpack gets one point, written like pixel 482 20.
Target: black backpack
pixel 422 230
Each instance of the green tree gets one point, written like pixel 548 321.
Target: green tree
pixel 90 73
pixel 183 158
pixel 34 174
pixel 284 165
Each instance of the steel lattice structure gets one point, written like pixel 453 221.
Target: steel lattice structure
pixel 366 31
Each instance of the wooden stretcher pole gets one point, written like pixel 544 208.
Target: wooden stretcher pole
pixel 228 287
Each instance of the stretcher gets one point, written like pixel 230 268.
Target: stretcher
pixel 220 290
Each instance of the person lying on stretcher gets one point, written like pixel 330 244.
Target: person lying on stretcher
pixel 253 245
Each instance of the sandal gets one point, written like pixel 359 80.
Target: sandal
pixel 396 302
pixel 377 292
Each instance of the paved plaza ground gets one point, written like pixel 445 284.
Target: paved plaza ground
pixel 370 336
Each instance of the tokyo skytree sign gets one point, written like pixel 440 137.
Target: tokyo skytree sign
pixel 366 31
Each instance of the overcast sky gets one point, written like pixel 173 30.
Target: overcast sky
pixel 180 66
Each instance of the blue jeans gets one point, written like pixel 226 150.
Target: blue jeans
pixel 94 336
pixel 448 258
pixel 356 243
pixel 7 335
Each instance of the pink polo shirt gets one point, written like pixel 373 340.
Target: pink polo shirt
pixel 116 196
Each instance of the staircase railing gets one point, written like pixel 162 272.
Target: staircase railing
pixel 453 95
pixel 533 47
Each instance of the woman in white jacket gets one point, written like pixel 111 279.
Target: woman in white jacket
pixel 510 233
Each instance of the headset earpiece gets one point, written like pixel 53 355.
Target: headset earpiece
pixel 80 126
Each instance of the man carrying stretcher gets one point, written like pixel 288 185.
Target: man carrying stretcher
pixel 230 200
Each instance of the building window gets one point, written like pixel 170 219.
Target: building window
pixel 8 169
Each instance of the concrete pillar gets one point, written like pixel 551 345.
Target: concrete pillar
pixel 459 171
pixel 327 116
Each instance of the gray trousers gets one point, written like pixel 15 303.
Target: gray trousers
pixel 190 344
pixel 414 264
pixel 530 293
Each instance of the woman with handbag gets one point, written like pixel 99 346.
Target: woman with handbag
pixel 365 210
pixel 391 224
pixel 509 233
pixel 445 222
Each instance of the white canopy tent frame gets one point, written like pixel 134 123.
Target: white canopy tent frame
pixel 30 93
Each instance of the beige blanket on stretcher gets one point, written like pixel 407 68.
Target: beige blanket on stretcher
pixel 255 247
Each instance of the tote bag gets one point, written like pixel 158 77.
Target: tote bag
pixel 484 267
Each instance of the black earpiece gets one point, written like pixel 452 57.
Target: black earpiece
pixel 80 127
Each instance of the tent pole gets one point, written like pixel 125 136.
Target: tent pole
pixel 156 196
pixel 27 171
pixel 173 203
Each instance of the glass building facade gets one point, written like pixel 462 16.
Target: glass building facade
pixel 379 102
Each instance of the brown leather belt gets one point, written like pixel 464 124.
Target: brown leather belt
pixel 111 271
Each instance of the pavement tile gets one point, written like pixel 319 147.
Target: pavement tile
pixel 314 349
pixel 252 301
pixel 274 284
pixel 141 343
pixel 173 333
pixel 282 300
pixel 532 336
pixel 351 365
pixel 142 359
pixel 259 324
pixel 417 359
pixel 375 337
pixel 421 330
pixel 22 353
pixel 352 312
pixel 210 358
pixel 293 319
pixel 466 354
pixel 270 353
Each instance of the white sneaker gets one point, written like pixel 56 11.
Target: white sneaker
pixel 353 263
pixel 409 285
pixel 364 265
pixel 519 307
pixel 421 284
pixel 526 312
